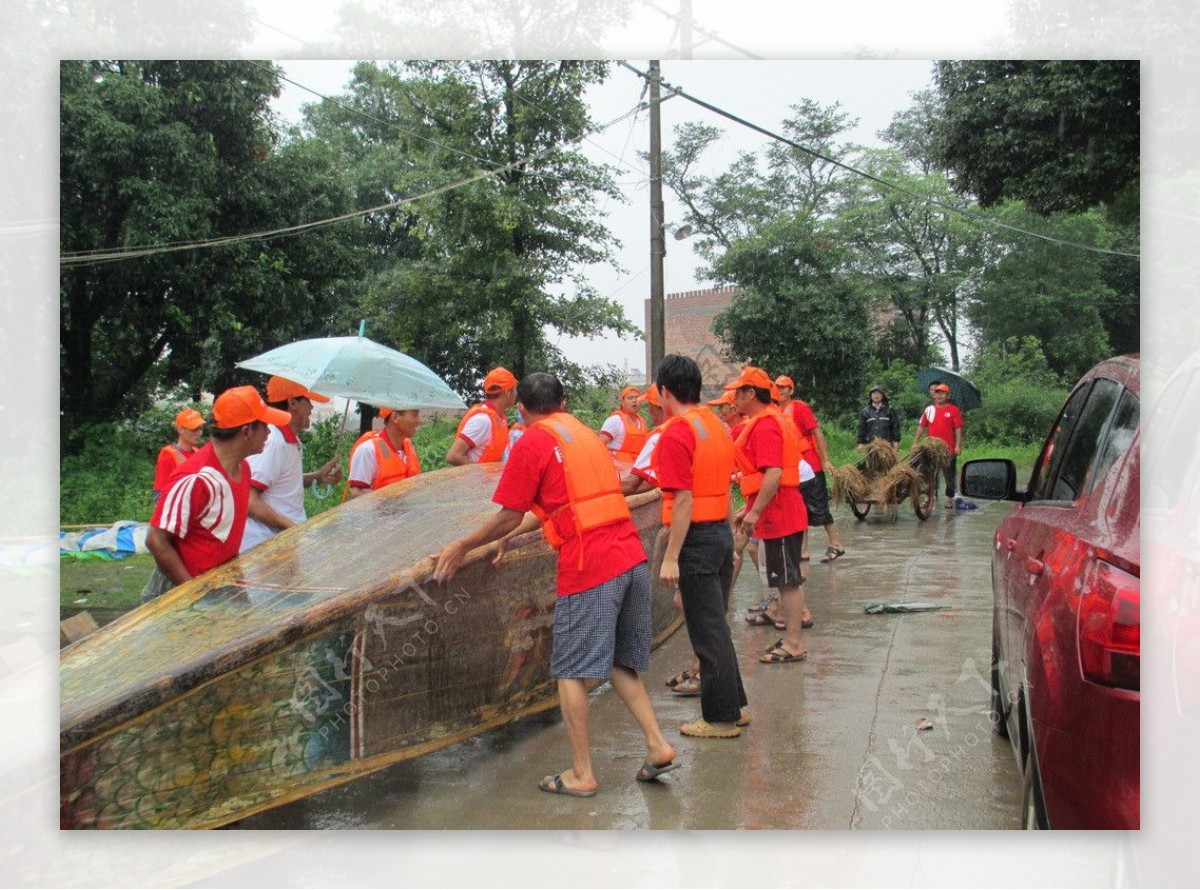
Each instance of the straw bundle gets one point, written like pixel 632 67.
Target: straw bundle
pixel 901 476
pixel 931 449
pixel 880 457
pixel 849 484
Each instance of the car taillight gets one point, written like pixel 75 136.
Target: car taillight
pixel 1110 629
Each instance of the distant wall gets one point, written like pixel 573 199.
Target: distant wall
pixel 688 321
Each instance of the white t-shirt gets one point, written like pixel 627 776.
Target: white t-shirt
pixel 643 465
pixel 278 474
pixel 806 471
pixel 364 463
pixel 615 427
pixel 478 431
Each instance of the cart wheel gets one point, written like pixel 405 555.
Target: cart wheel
pixel 860 510
pixel 924 494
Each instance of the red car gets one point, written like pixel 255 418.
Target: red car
pixel 1066 637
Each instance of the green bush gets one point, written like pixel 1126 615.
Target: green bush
pixel 1021 395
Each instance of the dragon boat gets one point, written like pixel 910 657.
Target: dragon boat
pixel 317 657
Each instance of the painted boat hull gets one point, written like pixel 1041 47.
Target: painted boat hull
pixel 317 657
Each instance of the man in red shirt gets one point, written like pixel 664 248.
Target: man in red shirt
pixel 189 427
pixel 768 456
pixel 942 420
pixel 602 623
pixel 694 463
pixel 199 520
pixel 813 488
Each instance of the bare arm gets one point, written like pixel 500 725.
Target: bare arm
pixel 162 547
pixel 681 521
pixel 771 477
pixel 459 453
pixel 329 474
pixel 822 447
pixel 503 523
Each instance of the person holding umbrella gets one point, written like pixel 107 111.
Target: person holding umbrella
pixel 942 420
pixel 277 473
pixel 482 435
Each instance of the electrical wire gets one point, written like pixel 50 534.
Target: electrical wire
pixel 931 202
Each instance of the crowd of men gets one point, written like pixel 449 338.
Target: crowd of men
pixel 247 484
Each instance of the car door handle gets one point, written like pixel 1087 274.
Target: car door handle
pixel 1034 566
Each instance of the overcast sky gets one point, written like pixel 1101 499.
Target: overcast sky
pixel 759 91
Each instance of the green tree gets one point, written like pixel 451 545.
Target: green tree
pixel 1061 135
pixel 1036 288
pixel 796 313
pixel 158 153
pixel 504 215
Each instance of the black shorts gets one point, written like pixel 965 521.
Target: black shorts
pixel 816 500
pixel 783 560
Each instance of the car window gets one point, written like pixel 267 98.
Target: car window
pixel 1117 441
pixel 1070 478
pixel 1041 485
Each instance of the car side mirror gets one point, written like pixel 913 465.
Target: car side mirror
pixel 992 479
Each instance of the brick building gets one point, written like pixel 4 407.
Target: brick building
pixel 688 322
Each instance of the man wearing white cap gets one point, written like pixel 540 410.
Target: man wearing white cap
pixel 277 473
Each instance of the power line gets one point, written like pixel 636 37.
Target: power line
pixel 978 217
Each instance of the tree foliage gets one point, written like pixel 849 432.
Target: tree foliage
pixel 1060 135
pixel 504 216
pixel 161 153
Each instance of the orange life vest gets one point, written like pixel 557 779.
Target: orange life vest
pixel 752 477
pixel 180 456
pixel 636 435
pixel 712 467
pixel 493 452
pixel 593 486
pixel 390 467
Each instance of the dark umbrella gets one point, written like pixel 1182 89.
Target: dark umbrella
pixel 963 392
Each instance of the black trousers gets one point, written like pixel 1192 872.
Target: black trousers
pixel 705 582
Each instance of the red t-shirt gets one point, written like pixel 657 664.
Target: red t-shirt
pixel 786 514
pixel 168 462
pixel 534 475
pixel 676 453
pixel 204 510
pixel 942 422
pixel 806 421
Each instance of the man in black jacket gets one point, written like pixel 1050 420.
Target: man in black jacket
pixel 878 420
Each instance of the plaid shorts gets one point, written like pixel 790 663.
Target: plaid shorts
pixel 604 625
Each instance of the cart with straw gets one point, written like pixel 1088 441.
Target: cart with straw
pixel 882 477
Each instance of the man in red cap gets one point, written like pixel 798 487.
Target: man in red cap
pixel 942 420
pixel 199 520
pixel 277 473
pixel 189 427
pixel 624 431
pixel 385 456
pixel 768 455
pixel 815 453
pixel 482 435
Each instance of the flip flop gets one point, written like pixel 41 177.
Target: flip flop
pixel 689 687
pixel 760 606
pixel 743 720
pixel 832 553
pixel 554 785
pixel 649 772
pixel 759 619
pixel 682 677
pixel 779 655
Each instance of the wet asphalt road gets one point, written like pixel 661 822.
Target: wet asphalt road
pixel 833 743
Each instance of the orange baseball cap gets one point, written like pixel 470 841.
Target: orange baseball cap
pixel 631 389
pixel 784 380
pixel 941 387
pixel 242 405
pixel 725 399
pixel 651 396
pixel 750 376
pixel 189 419
pixel 498 380
pixel 280 389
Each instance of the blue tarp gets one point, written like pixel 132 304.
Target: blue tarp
pixel 121 539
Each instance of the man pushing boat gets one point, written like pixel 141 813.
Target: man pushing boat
pixel 561 472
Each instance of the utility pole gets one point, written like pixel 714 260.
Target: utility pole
pixel 685 29
pixel 657 245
